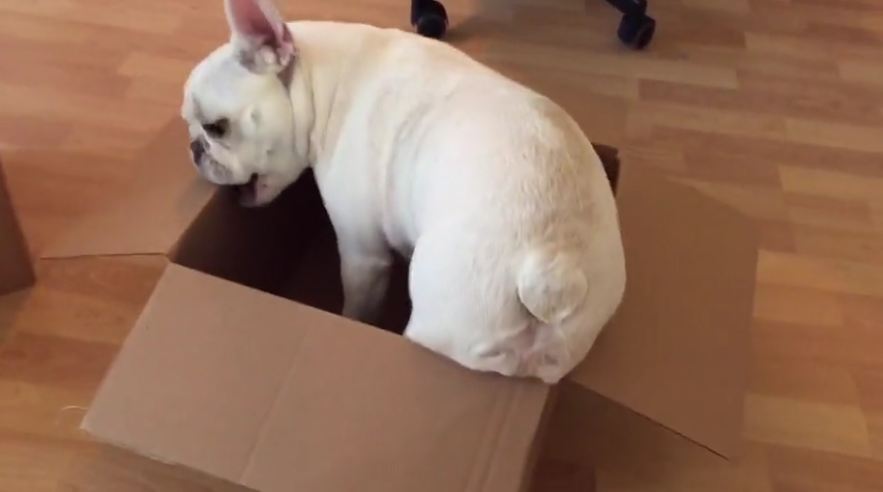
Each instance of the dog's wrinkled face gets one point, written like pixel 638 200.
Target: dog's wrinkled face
pixel 238 110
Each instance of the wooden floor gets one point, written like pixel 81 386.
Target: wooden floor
pixel 774 106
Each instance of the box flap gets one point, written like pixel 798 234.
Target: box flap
pixel 16 270
pixel 278 396
pixel 676 352
pixel 148 216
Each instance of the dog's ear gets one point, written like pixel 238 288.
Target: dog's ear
pixel 260 37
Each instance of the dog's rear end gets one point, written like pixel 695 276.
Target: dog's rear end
pixel 521 279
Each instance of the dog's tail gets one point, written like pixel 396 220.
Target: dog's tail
pixel 551 286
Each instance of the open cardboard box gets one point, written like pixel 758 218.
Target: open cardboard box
pixel 16 270
pixel 238 367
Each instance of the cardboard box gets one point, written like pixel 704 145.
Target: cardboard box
pixel 16 270
pixel 238 368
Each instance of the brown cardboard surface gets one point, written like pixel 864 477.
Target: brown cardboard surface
pixel 16 270
pixel 279 396
pixel 149 217
pixel 676 351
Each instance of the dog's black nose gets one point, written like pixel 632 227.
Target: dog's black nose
pixel 197 149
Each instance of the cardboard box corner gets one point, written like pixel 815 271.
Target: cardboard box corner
pixel 16 267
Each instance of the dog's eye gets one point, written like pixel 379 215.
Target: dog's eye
pixel 217 128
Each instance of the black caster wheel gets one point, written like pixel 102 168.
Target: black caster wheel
pixel 636 30
pixel 429 18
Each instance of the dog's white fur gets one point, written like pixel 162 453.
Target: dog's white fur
pixel 491 189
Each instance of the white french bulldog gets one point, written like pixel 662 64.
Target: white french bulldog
pixel 490 189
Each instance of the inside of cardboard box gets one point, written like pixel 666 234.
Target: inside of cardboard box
pixel 289 249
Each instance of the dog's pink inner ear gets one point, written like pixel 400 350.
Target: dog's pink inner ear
pixel 261 38
pixel 248 19
pixel 259 22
